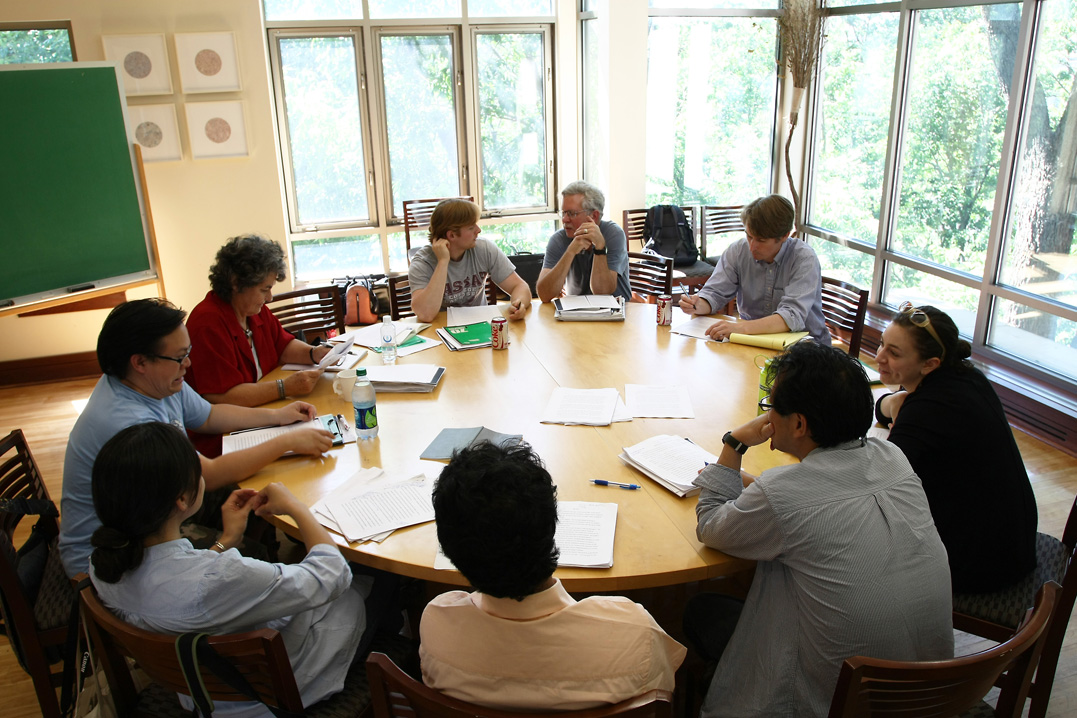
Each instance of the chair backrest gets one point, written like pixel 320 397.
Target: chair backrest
pixel 395 694
pixel 38 640
pixel 310 313
pixel 650 274
pixel 844 308
pixel 400 297
pixel 259 655
pixel 417 216
pixel 718 220
pixel 632 221
pixel 911 689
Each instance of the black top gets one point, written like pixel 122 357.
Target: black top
pixel 955 434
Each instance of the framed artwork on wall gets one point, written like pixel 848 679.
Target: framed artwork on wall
pixel 208 62
pixel 216 129
pixel 155 130
pixel 143 61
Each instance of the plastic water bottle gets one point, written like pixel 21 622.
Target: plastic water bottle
pixel 388 341
pixel 365 404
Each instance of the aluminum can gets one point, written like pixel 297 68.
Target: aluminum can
pixel 499 333
pixel 665 309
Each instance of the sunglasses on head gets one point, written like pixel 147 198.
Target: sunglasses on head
pixel 920 318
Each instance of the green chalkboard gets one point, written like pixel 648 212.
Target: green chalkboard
pixel 71 212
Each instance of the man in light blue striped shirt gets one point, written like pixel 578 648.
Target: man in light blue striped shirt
pixel 849 560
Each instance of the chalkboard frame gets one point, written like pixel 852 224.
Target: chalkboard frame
pixel 95 87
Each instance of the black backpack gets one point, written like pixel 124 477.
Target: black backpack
pixel 667 233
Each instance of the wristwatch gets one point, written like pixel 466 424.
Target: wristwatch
pixel 733 443
pixel 599 251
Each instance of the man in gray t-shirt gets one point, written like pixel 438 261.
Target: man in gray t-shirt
pixel 588 256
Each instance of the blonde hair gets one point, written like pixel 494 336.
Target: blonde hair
pixel 450 216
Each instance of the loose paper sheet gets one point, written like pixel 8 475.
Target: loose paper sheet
pixel 659 401
pixel 455 316
pixel 590 407
pixel 393 507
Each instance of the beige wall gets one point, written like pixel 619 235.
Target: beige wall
pixel 196 205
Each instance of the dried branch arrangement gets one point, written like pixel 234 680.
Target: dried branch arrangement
pixel 803 29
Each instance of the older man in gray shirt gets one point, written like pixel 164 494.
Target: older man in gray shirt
pixel 849 560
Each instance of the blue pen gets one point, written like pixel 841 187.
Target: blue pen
pixel 603 482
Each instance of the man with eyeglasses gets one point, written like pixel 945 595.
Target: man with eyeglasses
pixel 849 561
pixel 143 351
pixel 775 279
pixel 589 255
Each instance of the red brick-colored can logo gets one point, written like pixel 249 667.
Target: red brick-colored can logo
pixel 665 309
pixel 499 333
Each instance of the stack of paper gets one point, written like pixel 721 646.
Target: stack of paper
pixel 672 461
pixel 697 327
pixel 589 308
pixel 371 505
pixel 420 378
pixel 335 424
pixel 452 440
pixel 458 316
pixel 585 533
pixel 587 407
pixel 338 358
pixel 467 336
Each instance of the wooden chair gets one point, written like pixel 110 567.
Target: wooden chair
pixel 649 274
pixel 718 220
pixel 36 629
pixel 844 308
pixel 417 216
pixel 914 689
pixel 688 278
pixel 310 313
pixel 400 297
pixel 259 655
pixel 996 615
pixel 395 694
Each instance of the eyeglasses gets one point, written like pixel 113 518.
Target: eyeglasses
pixel 920 318
pixel 765 404
pixel 178 360
pixel 573 213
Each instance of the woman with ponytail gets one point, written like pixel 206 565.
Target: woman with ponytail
pixel 146 482
pixel 951 425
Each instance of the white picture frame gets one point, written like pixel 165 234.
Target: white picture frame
pixel 216 129
pixel 156 131
pixel 207 62
pixel 143 63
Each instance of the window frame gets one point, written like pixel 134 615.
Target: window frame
pixel 988 284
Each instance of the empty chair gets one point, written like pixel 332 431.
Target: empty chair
pixel 911 689
pixel 400 297
pixel 687 278
pixel 996 615
pixel 310 313
pixel 35 617
pixel 716 220
pixel 417 217
pixel 649 274
pixel 844 308
pixel 395 694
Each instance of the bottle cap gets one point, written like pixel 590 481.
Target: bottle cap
pixel 360 371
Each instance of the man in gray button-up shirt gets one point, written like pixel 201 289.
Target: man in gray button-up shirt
pixel 849 560
pixel 776 280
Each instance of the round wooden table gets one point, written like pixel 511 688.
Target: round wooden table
pixel 507 391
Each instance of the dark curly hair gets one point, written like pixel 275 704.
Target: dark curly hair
pixel 135 327
pixel 957 349
pixel 496 513
pixel 137 477
pixel 827 386
pixel 244 262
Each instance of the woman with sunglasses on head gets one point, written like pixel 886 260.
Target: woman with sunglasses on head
pixel 951 426
pixel 146 481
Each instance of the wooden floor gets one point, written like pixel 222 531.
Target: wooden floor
pixel 46 413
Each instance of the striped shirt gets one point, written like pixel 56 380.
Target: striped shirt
pixel 849 563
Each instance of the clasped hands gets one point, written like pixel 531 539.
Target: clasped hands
pixel 275 499
pixel 586 236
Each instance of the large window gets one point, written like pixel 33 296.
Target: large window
pixel 29 42
pixel 951 183
pixel 413 102
pixel 710 103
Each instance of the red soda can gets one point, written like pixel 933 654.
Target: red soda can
pixel 665 309
pixel 499 333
